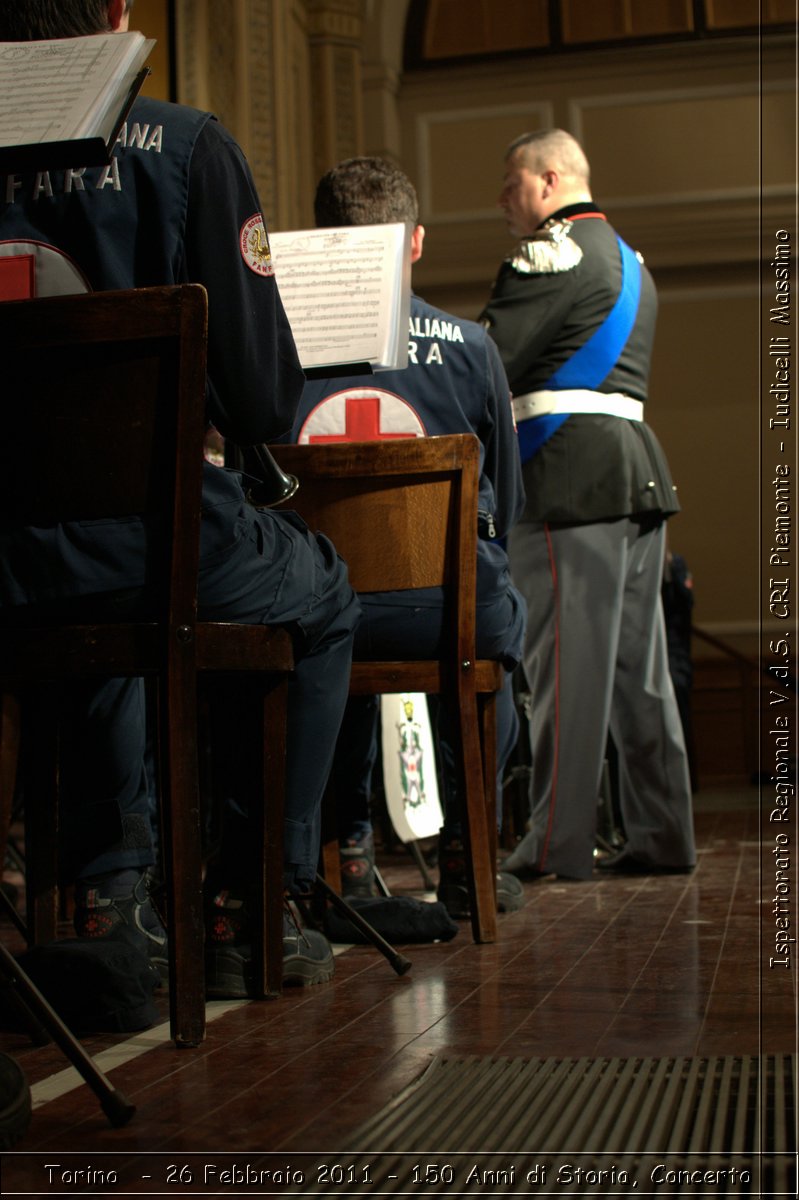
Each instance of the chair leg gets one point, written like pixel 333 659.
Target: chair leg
pixel 182 858
pixel 185 928
pixel 267 822
pixel 480 842
pixel 331 865
pixel 487 709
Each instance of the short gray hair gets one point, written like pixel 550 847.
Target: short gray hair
pixel 552 148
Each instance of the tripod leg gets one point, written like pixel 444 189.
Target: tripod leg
pixel 114 1104
pixel 418 858
pixel 382 886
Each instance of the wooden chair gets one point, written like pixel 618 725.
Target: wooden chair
pixel 403 514
pixel 106 419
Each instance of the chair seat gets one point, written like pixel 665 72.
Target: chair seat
pixel 46 652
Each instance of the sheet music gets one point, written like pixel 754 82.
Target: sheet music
pixel 344 291
pixel 61 90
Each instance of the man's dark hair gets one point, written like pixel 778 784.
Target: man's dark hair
pixel 35 20
pixel 365 191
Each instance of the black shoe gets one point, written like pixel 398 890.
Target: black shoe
pixel 111 903
pixel 625 863
pixel 358 867
pixel 521 861
pixel 453 892
pixel 307 954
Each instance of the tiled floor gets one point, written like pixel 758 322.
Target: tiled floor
pixel 645 966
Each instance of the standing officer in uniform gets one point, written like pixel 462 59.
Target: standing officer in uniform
pixel 573 314
pixel 178 204
pixel 454 383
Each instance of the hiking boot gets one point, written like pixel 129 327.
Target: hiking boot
pixel 453 891
pixel 358 867
pixel 307 954
pixel 120 900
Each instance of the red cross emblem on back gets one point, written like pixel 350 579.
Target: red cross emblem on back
pixel 29 269
pixel 361 415
pixel 17 277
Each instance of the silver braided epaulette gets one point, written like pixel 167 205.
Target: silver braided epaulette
pixel 548 250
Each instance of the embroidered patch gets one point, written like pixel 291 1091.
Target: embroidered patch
pixel 548 251
pixel 254 245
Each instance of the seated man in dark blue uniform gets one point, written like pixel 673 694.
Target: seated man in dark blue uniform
pixel 454 383
pixel 178 204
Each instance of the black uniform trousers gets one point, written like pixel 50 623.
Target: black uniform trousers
pixel 107 812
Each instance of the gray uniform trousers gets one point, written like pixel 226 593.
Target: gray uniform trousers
pixel 595 659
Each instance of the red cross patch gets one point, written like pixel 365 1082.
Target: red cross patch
pixel 29 269
pixel 361 414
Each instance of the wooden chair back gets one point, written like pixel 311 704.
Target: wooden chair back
pixel 105 419
pixel 106 422
pixel 103 389
pixel 403 515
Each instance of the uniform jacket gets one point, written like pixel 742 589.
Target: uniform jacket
pixel 454 383
pixel 548 300
pixel 177 204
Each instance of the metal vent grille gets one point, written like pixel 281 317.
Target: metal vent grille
pixel 733 1117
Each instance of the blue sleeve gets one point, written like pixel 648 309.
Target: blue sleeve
pixel 254 372
pixel 501 463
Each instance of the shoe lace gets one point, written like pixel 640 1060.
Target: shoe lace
pixel 289 908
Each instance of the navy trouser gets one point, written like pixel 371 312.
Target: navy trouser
pixel 277 573
pixel 596 663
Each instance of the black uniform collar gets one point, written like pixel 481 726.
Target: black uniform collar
pixel 585 208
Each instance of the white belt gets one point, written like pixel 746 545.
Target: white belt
pixel 576 400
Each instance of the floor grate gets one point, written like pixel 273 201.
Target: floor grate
pixel 676 1126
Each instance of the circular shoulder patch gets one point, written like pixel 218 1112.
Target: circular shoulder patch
pixel 254 245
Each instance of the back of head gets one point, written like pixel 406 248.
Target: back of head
pixel 552 149
pixel 35 20
pixel 365 191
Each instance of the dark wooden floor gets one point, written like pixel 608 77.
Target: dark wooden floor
pixel 660 966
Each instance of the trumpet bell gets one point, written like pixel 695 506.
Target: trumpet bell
pixel 278 486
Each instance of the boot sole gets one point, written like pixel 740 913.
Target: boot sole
pixel 305 972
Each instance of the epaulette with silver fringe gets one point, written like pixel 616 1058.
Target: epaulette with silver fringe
pixel 548 250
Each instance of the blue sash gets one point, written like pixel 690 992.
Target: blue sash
pixel 595 359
